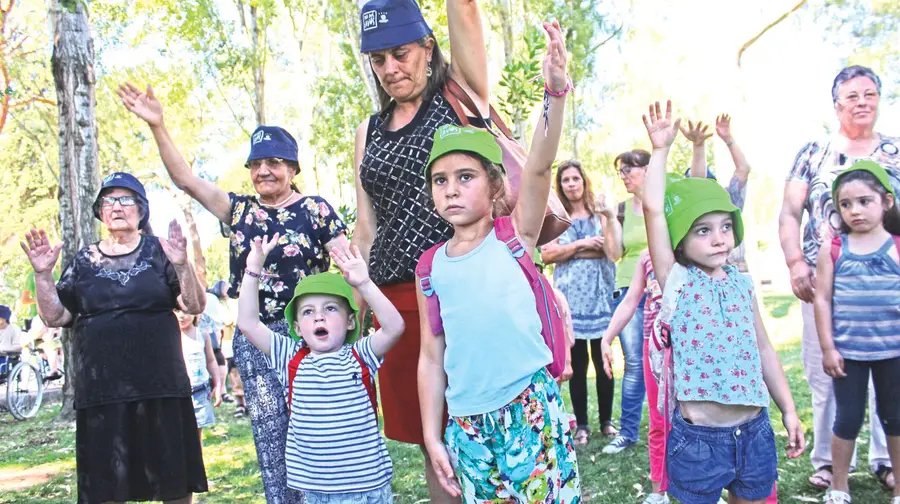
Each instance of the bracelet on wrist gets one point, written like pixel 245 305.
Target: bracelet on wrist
pixel 558 94
pixel 729 144
pixel 252 274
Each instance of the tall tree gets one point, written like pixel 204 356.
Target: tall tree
pixel 73 73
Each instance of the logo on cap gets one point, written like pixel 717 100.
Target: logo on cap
pixel 370 20
pixel 259 136
pixel 112 176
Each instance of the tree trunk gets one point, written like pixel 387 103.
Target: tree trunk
pixel 73 73
pixel 351 25
pixel 257 38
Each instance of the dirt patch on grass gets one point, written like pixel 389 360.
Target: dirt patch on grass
pixel 20 479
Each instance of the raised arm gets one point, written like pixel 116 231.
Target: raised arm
pixel 698 136
pixel 741 166
pixel 43 257
pixel 612 229
pixel 528 216
pixel 248 301
pixel 468 50
pixel 145 106
pixel 432 389
pixel 364 232
pixel 193 297
pixel 356 273
pixel 662 131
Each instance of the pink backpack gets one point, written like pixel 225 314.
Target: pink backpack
pixel 836 247
pixel 552 324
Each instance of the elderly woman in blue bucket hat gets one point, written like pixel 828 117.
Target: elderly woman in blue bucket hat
pixel 136 434
pixel 396 221
pixel 309 228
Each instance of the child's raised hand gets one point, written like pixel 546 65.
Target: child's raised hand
pixel 260 247
pixel 661 130
pixel 723 128
pixel 352 264
pixel 555 61
pixel 796 441
pixel 696 133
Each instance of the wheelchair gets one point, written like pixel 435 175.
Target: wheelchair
pixel 24 384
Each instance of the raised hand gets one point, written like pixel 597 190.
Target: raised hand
pixel 40 253
pixel 603 207
pixel 142 104
pixel 175 247
pixel 260 247
pixel 723 128
pixel 661 130
pixel 554 69
pixel 696 133
pixel 352 264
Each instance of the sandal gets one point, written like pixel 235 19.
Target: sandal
pixel 836 497
pixel 821 478
pixel 582 435
pixel 608 429
pixel 885 476
pixel 240 411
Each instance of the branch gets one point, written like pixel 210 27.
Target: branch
pixel 32 100
pixel 767 28
pixel 612 36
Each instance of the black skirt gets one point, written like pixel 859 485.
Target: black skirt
pixel 138 451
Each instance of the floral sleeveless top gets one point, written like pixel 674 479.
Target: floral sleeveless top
pixel 713 335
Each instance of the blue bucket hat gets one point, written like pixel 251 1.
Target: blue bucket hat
pixel 125 181
pixel 390 23
pixel 272 142
pixel 5 312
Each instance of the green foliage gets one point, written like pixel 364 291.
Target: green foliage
pixel 520 80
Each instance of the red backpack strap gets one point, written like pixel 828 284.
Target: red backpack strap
pixel 432 303
pixel 368 381
pixel 836 248
pixel 506 233
pixel 293 365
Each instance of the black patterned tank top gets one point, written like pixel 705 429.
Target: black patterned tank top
pixel 391 174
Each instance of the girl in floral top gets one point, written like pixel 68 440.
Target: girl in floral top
pixel 724 364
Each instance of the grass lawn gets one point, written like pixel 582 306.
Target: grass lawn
pixel 37 460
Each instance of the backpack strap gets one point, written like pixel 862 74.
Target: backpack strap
pixel 293 365
pixel 836 248
pixel 368 381
pixel 506 233
pixel 432 303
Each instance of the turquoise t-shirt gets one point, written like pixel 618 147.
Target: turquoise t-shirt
pixel 491 327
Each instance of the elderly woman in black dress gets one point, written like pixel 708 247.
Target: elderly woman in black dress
pixel 136 435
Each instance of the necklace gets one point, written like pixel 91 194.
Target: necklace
pixel 280 203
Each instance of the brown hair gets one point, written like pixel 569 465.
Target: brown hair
pixel 891 218
pixel 634 158
pixel 588 196
pixel 440 74
pixel 496 178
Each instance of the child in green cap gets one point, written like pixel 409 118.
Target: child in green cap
pixel 719 367
pixel 326 370
pixel 508 438
pixel 856 300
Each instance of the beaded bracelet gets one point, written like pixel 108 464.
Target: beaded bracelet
pixel 252 274
pixel 558 94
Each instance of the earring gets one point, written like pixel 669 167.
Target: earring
pixel 428 70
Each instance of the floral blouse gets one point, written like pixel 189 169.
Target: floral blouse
pixel 304 228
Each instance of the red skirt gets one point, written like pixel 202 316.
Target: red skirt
pixel 398 378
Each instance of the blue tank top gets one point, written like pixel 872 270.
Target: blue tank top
pixel 865 308
pixel 491 327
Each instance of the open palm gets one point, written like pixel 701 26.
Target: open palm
pixel 660 128
pixel 554 66
pixel 142 104
pixel 41 254
pixel 175 247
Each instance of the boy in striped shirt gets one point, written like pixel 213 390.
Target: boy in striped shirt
pixel 335 452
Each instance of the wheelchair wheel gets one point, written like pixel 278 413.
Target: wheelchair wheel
pixel 24 391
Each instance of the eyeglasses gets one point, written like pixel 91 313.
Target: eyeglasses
pixel 271 162
pixel 124 201
pixel 626 170
pixel 853 98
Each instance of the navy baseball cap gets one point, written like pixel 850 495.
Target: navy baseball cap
pixel 390 23
pixel 125 181
pixel 272 142
pixel 709 173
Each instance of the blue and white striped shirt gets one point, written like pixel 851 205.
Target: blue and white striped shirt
pixel 333 441
pixel 866 304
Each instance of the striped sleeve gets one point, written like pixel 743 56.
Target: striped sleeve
pixel 281 349
pixel 363 347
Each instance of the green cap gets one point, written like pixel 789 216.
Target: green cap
pixel 870 166
pixel 689 199
pixel 452 138
pixel 330 284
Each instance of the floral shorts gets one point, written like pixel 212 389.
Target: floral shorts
pixel 521 453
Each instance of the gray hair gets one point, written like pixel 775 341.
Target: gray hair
pixel 852 72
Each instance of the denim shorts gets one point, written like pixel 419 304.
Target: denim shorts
pixel 382 495
pixel 702 461
pixel 203 408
